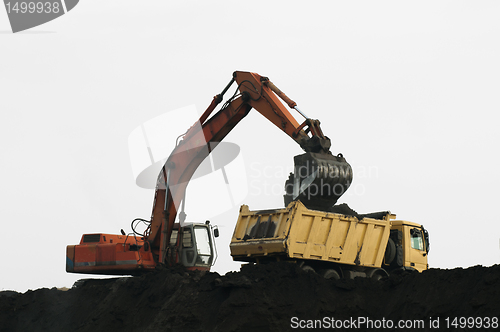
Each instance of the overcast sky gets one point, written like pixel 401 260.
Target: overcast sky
pixel 407 91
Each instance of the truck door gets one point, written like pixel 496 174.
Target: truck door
pixel 417 253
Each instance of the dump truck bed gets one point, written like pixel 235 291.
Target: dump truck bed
pixel 296 232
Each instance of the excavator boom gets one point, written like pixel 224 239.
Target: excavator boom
pixel 255 92
pixel 319 176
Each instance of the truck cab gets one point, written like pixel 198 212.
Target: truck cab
pixel 412 245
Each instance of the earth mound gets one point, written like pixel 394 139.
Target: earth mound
pixel 271 297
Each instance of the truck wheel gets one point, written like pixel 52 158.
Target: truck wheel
pixel 331 274
pixel 307 268
pixel 390 252
pixel 379 274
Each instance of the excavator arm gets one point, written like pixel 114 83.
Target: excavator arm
pixel 319 179
pixel 256 92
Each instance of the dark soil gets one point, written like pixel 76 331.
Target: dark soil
pixel 258 298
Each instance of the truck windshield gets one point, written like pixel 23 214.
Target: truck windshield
pixel 203 245
pixel 416 239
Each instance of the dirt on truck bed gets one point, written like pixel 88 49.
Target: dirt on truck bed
pixel 272 297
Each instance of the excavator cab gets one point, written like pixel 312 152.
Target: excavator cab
pixel 193 246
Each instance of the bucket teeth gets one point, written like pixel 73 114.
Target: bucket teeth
pixel 318 181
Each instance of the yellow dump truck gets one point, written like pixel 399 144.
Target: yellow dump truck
pixel 333 244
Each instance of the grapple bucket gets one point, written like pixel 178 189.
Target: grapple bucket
pixel 318 181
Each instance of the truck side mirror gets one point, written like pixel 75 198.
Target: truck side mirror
pixel 216 232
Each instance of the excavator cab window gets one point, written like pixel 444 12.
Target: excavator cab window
pixel 173 237
pixel 188 250
pixel 204 250
pixel 417 241
pixel 187 239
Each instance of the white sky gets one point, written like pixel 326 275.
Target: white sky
pixel 407 91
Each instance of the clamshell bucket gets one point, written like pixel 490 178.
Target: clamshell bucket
pixel 318 181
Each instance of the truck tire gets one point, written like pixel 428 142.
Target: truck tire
pixel 308 268
pixel 330 274
pixel 378 274
pixel 390 252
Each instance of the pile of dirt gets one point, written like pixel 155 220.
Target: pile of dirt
pixel 271 297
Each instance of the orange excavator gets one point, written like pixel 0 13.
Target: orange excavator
pixel 319 179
